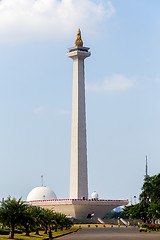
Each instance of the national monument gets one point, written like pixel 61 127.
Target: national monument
pixel 79 205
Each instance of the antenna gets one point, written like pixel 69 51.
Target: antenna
pixel 42 180
pixel 146 170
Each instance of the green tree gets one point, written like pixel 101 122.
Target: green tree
pixel 56 221
pixel 151 189
pixel 154 210
pixel 155 189
pixel 146 190
pixel 115 215
pixel 28 219
pixel 138 211
pixel 68 223
pixel 12 213
pixel 149 207
pixel 37 214
pixel 48 219
pixel 61 221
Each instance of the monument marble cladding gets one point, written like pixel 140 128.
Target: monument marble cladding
pixel 79 206
pixel 78 167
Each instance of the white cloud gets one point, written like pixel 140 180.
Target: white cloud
pixel 63 112
pixel 29 19
pixel 157 80
pixel 38 110
pixel 116 82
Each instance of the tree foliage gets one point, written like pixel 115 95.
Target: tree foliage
pixel 115 215
pixel 151 189
pixel 148 209
pixel 14 213
pixel 48 219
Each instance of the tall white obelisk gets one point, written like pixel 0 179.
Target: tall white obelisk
pixel 78 168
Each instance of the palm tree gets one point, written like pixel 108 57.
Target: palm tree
pixel 12 213
pixel 56 221
pixel 68 223
pixel 38 216
pixel 28 219
pixel 61 221
pixel 48 219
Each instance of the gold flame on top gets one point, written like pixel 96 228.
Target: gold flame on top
pixel 79 41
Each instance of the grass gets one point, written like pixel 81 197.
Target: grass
pixel 33 236
pixel 98 225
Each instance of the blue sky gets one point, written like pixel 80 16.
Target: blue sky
pixel 122 94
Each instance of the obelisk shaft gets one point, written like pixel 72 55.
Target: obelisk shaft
pixel 78 168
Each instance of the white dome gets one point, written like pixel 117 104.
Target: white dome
pixel 41 193
pixel 94 195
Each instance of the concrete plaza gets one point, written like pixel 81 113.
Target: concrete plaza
pixel 122 233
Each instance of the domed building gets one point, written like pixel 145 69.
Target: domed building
pixel 41 193
pixel 94 195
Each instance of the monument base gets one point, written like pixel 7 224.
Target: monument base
pixel 78 208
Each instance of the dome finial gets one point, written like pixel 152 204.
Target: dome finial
pixel 42 180
pixel 79 41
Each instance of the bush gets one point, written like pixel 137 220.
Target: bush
pixel 4 232
pixel 153 227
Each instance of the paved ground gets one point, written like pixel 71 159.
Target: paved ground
pixel 111 234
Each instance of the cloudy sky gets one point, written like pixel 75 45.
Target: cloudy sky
pixel 122 94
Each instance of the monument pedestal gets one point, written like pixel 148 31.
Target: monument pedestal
pixel 78 208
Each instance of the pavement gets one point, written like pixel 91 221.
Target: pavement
pixel 129 233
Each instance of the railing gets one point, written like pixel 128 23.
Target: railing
pixel 82 200
pixel 123 221
pixel 100 220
